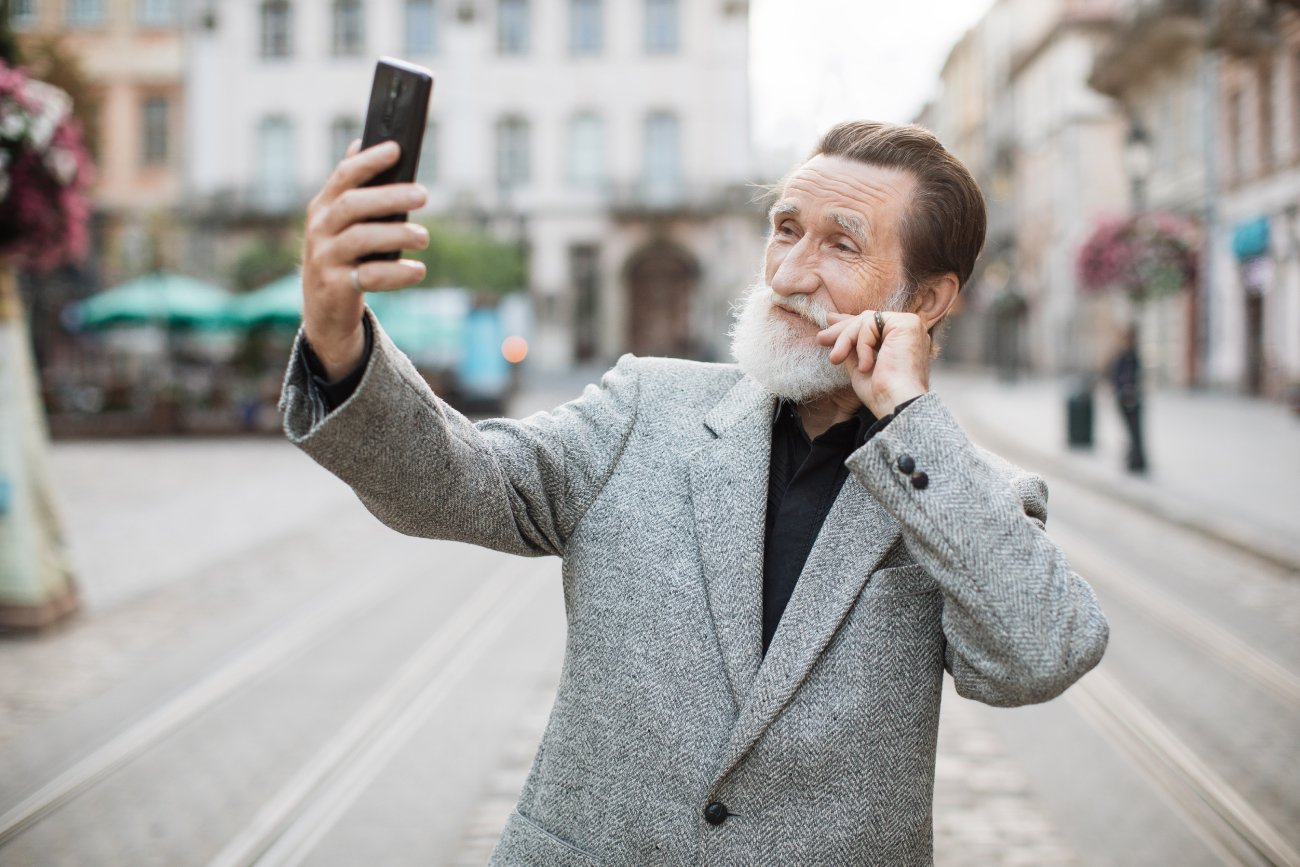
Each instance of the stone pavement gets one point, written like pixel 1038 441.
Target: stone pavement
pixel 1223 465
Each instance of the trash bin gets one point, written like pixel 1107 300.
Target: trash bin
pixel 1078 414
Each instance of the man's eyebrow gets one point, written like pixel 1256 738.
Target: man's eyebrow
pixel 782 208
pixel 850 224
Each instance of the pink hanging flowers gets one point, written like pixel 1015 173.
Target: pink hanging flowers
pixel 1147 256
pixel 45 175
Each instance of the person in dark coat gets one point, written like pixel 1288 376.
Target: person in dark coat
pixel 1126 379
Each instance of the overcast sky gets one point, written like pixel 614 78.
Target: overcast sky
pixel 815 62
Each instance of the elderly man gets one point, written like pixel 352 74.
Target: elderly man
pixel 768 566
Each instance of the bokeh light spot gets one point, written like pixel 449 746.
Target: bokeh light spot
pixel 515 349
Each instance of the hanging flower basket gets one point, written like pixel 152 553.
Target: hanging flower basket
pixel 1146 257
pixel 45 175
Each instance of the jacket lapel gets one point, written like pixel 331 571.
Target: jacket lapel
pixel 729 494
pixel 856 536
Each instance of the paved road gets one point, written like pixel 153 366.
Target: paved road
pixel 266 675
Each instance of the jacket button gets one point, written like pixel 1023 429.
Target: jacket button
pixel 716 813
pixel 906 464
pixel 920 480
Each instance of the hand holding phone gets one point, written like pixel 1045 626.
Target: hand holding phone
pixel 362 209
pixel 399 110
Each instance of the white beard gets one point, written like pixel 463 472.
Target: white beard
pixel 780 355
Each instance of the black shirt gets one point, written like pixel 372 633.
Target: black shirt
pixel 335 393
pixel 804 478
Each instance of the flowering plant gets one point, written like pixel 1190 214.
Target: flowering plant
pixel 45 174
pixel 1147 256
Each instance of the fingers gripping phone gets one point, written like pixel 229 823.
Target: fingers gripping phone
pixel 399 108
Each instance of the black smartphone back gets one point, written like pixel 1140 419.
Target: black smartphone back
pixel 399 109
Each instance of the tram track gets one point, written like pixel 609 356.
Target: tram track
pixel 1231 828
pixel 1237 834
pixel 313 797
pixel 276 649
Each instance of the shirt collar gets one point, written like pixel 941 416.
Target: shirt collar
pixel 853 430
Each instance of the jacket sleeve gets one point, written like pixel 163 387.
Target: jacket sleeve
pixel 518 486
pixel 1020 626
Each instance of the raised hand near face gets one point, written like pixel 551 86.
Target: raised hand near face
pixel 887 354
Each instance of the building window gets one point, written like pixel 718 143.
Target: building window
pixel 1234 119
pixel 512 26
pixel 586 169
pixel 1265 116
pixel 584 274
pixel 85 13
pixel 661 26
pixel 22 14
pixel 343 131
pixel 427 174
pixel 349 28
pixel 277 28
pixel 662 158
pixel 155 127
pixel 276 186
pixel 421 27
pixel 586 28
pixel 1295 104
pixel 512 153
pixel 156 13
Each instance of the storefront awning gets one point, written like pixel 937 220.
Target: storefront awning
pixel 1250 239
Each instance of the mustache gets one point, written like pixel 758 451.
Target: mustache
pixel 800 305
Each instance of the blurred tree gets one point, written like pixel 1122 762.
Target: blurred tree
pixel 472 260
pixel 268 258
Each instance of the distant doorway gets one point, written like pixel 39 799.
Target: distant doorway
pixel 1254 342
pixel 661 281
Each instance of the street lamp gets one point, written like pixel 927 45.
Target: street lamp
pixel 1137 162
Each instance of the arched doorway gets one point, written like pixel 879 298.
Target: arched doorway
pixel 661 281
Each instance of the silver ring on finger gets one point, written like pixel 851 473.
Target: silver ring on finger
pixel 880 324
pixel 356 280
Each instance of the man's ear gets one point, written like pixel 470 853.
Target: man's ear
pixel 937 298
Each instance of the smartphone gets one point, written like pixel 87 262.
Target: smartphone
pixel 399 109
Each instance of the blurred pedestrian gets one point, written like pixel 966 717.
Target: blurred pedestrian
pixel 767 566
pixel 1126 379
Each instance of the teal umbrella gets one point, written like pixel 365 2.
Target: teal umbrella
pixel 161 298
pixel 277 303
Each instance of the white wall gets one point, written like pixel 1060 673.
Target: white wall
pixel 705 84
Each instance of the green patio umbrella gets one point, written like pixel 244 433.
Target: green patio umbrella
pixel 277 303
pixel 162 298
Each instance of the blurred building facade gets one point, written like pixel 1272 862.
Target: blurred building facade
pixel 1015 106
pixel 1156 68
pixel 131 51
pixel 1043 99
pixel 1254 337
pixel 611 139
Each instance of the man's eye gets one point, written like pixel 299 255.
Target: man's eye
pixel 785 229
pixel 844 248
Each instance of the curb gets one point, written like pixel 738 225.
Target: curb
pixel 1246 540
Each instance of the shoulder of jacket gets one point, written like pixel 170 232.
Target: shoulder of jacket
pixel 678 379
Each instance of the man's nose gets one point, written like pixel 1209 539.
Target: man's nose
pixel 796 273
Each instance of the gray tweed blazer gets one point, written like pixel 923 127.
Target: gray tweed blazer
pixel 652 488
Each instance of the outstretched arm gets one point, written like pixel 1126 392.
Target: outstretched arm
pixel 425 470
